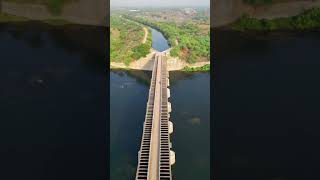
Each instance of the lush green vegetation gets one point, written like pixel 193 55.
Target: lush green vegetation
pixel 11 18
pixel 194 69
pixel 126 40
pixel 309 19
pixel 54 6
pixel 189 41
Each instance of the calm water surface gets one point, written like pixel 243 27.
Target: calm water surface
pixel 190 99
pixel 159 42
pixel 190 115
pixel 267 106
pixel 53 108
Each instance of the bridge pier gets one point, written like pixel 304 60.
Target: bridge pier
pixel 170 127
pixel 172 157
pixel 169 107
pixel 155 156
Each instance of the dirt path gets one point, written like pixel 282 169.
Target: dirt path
pixel 146 32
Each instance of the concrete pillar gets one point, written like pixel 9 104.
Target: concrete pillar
pixel 168 92
pixel 139 154
pixel 172 157
pixel 170 127
pixel 169 107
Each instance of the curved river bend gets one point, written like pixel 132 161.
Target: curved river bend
pixel 159 42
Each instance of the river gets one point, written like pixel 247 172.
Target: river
pixel 266 113
pixel 190 99
pixel 159 42
pixel 53 96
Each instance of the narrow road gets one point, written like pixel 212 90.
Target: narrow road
pixel 155 156
pixel 146 32
pixel 155 135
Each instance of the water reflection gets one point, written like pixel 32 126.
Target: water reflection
pixel 266 105
pixel 127 110
pixel 53 102
pixel 190 99
pixel 159 42
pixel 90 42
pixel 190 117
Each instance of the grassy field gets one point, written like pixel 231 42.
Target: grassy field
pixel 126 40
pixel 308 20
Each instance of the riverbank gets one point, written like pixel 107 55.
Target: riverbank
pixel 190 41
pixel 173 64
pixel 11 18
pixel 126 40
pixel 159 44
pixel 85 12
pixel 7 18
pixel 196 69
pixel 307 20
pixel 228 11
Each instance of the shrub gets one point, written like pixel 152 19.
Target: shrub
pixel 55 6
pixel 140 51
pixel 309 19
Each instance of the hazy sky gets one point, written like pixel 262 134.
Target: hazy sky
pixel 155 3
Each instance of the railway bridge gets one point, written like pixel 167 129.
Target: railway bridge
pixel 155 156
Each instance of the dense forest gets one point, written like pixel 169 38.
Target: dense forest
pixel 126 40
pixel 189 41
pixel 307 20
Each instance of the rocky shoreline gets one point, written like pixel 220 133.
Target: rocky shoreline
pixel 146 63
pixel 176 65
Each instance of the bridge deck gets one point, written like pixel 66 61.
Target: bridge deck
pixel 154 162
